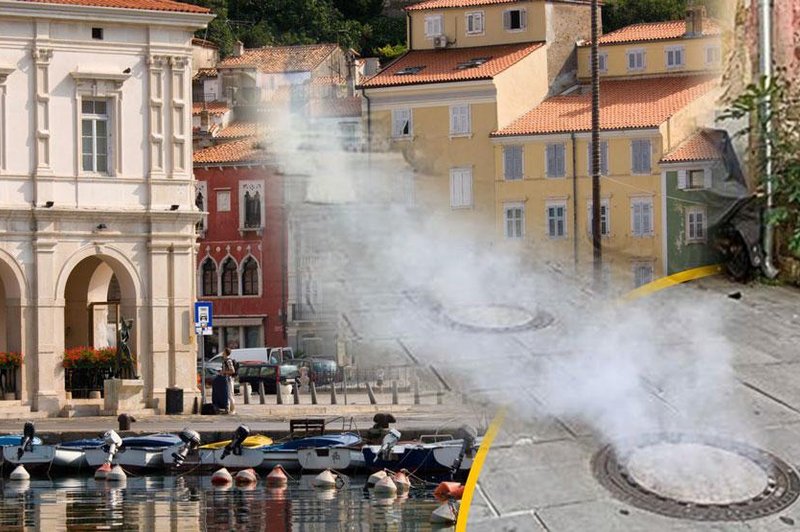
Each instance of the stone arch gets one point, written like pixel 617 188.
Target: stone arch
pixel 259 274
pixel 13 313
pixel 221 273
pixel 201 276
pixel 127 274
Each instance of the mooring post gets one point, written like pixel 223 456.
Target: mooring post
pixel 296 393
pixel 333 394
pixel 439 396
pixel 371 395
pixel 313 388
pixel 262 394
pixel 279 393
pixel 246 392
pixel 416 392
pixel 395 397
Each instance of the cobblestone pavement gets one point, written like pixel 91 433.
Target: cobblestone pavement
pixel 538 475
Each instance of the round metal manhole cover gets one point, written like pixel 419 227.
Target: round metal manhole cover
pixel 698 477
pixel 495 318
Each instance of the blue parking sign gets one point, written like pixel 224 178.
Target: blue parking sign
pixel 203 316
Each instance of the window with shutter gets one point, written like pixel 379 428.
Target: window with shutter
pixel 635 59
pixel 605 222
pixel 556 165
pixel 474 23
pixel 460 187
pixel 433 26
pixel 641 156
pixel 512 162
pixel 695 224
pixel 642 216
pixel 460 120
pixel 401 123
pixel 514 19
pixel 602 61
pixel 556 219
pixel 514 220
pixel 674 56
pixel 603 158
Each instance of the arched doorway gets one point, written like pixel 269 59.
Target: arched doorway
pixel 11 327
pixel 99 293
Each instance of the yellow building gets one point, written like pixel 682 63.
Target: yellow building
pixel 473 66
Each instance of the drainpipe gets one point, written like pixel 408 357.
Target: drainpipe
pixel 574 200
pixel 369 121
pixel 765 58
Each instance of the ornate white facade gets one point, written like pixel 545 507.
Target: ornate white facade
pixel 95 184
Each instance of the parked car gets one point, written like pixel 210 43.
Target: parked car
pixel 211 373
pixel 322 370
pixel 268 355
pixel 255 373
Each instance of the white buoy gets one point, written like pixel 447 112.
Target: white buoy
pixel 245 477
pixel 446 514
pixel 116 474
pixel 221 477
pixel 102 471
pixel 20 473
pixel 385 487
pixel 325 480
pixel 277 477
pixel 375 477
pixel 401 481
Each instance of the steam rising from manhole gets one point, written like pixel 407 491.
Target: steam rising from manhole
pixel 495 318
pixel 700 478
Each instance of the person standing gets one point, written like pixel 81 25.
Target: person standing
pixel 228 371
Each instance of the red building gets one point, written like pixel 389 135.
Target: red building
pixel 241 260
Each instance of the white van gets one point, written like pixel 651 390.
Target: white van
pixel 270 355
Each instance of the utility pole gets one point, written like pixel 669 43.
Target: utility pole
pixel 596 226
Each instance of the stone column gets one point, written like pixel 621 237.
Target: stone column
pixel 184 367
pixel 41 57
pixel 48 373
pixel 157 364
pixel 156 64
pixel 181 151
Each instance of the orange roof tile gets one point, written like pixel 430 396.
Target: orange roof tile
pixel 237 151
pixel 336 107
pixel 237 130
pixel 705 145
pixel 441 66
pixel 438 4
pixel 654 31
pixel 624 104
pixel 149 5
pixel 203 73
pixel 213 108
pixel 277 59
pixel 328 80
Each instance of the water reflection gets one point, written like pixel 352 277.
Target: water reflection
pixel 192 503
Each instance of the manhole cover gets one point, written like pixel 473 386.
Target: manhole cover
pixel 698 477
pixel 495 318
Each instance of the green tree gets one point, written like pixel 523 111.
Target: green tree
pixel 360 10
pixel 219 30
pixel 621 13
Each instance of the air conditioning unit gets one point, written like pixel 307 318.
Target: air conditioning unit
pixel 440 41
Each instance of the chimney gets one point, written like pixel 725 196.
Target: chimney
pixel 238 49
pixel 694 20
pixel 204 121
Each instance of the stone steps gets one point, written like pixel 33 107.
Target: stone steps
pixel 16 410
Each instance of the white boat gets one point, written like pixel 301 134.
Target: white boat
pixel 242 451
pixel 135 453
pixel 45 456
pixel 286 454
pixel 336 458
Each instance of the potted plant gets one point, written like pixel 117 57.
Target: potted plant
pixel 9 364
pixel 87 367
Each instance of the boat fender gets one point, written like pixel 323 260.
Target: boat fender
pixel 448 490
pixel 102 471
pixel 385 487
pixel 401 481
pixel 277 477
pixel 20 473
pixel 446 514
pixel 221 477
pixel 325 480
pixel 375 477
pixel 246 477
pixel 116 474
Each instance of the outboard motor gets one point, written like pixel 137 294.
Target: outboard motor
pixel 468 435
pixel 26 444
pixel 235 446
pixel 191 442
pixel 113 444
pixel 389 441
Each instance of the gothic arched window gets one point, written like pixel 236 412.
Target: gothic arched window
pixel 252 210
pixel 230 278
pixel 209 278
pixel 250 277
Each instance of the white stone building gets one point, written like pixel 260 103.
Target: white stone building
pixel 96 188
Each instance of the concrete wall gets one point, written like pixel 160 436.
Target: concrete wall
pixel 522 87
pixel 566 24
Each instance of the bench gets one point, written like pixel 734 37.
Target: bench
pixel 308 426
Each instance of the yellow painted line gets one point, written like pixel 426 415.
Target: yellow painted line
pixel 497 422
pixel 672 280
pixel 475 470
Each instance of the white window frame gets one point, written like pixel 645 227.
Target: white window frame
pixel 515 206
pixel 603 158
pixel 635 51
pixel 691 226
pixel 548 206
pixel 636 266
pixel 521 149
pixel 645 232
pixel 523 20
pixel 680 50
pixel 602 61
pixel 604 206
pixel 649 171
pixel 684 176
pixel 475 16
pixel 222 206
pixel 253 187
pixel 547 170
pixel 461 187
pixel 460 126
pixel 94 119
pixel 431 22
pixel 716 50
pixel 405 115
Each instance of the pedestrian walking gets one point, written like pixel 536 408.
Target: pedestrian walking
pixel 229 370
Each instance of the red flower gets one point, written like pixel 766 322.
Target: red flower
pixel 10 360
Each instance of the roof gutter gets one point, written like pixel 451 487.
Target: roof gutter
pixel 765 58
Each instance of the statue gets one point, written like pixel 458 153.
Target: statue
pixel 126 365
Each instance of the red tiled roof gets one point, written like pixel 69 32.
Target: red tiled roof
pixel 237 151
pixel 277 59
pixel 654 31
pixel 237 130
pixel 705 145
pixel 328 80
pixel 438 4
pixel 203 73
pixel 196 41
pixel 149 5
pixel 213 108
pixel 442 66
pixel 624 104
pixel 336 107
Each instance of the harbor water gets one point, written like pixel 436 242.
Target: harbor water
pixel 188 503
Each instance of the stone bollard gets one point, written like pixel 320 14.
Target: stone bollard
pixel 333 394
pixel 371 395
pixel 246 392
pixel 279 393
pixel 395 398
pixel 439 397
pixel 416 392
pixel 262 395
pixel 313 388
pixel 296 393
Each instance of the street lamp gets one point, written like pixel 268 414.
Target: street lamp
pixel 596 236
